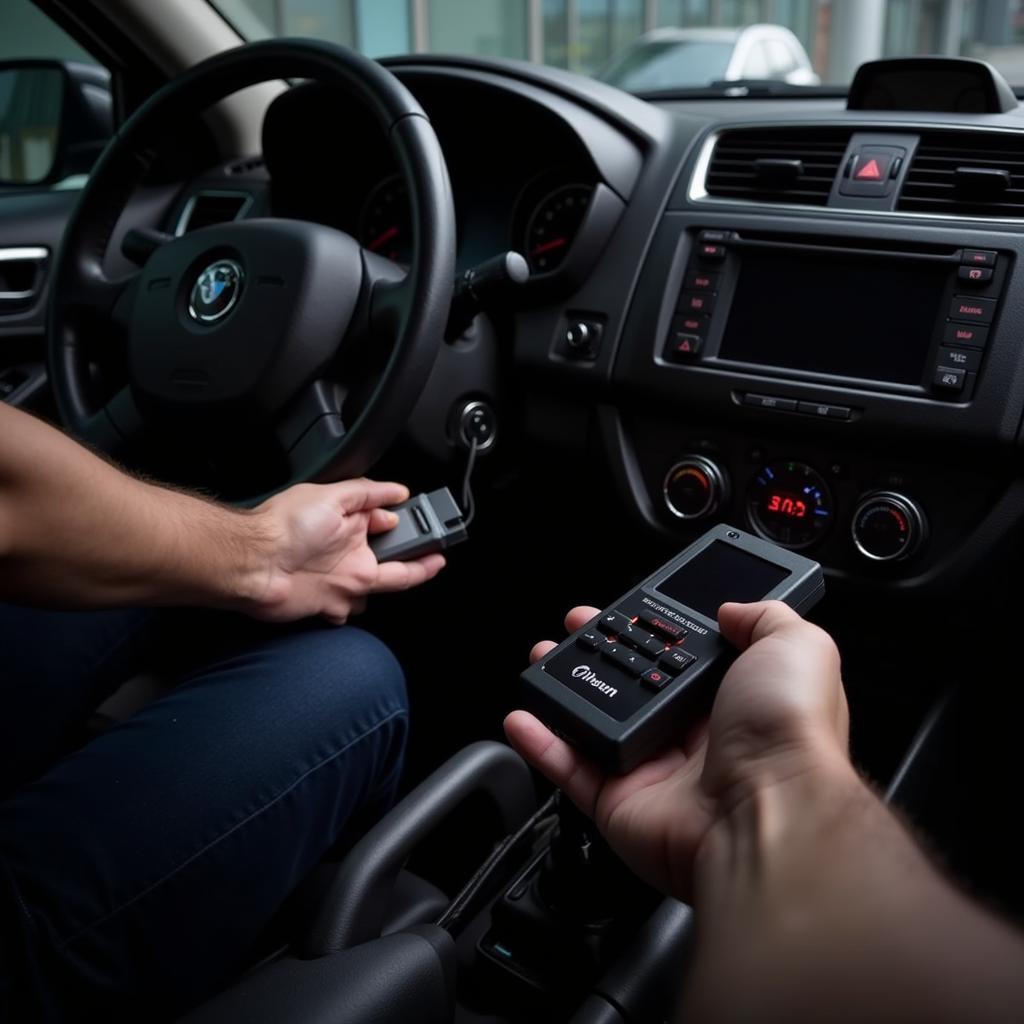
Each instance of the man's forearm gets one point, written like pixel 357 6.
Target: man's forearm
pixel 77 532
pixel 814 903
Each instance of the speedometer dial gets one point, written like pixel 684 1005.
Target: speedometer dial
pixel 553 226
pixel 385 226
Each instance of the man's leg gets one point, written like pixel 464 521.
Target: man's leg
pixel 146 863
pixel 55 668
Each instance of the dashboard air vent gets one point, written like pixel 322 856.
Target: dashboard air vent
pixel 966 173
pixel 246 166
pixel 206 208
pixel 777 165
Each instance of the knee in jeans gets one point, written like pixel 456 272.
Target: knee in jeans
pixel 347 674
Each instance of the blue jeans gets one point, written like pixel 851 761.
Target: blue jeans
pixel 136 871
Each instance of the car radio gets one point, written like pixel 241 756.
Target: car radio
pixel 629 681
pixel 857 312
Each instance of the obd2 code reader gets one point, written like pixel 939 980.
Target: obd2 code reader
pixel 634 678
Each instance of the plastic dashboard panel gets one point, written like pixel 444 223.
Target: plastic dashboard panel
pixel 991 418
pixel 959 456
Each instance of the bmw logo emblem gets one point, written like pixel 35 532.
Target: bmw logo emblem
pixel 216 291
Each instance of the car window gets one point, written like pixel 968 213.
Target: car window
pixel 26 32
pixel 31 101
pixel 599 37
pixel 757 64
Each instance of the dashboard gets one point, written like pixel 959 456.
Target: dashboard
pixel 784 314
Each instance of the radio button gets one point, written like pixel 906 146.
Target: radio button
pixel 974 275
pixel 831 412
pixel 965 334
pixel 967 307
pixel 979 257
pixel 696 302
pixel 960 358
pixel 701 281
pixel 949 379
pixel 710 253
pixel 690 323
pixel 770 402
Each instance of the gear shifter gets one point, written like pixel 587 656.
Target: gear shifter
pixel 565 917
pixel 582 880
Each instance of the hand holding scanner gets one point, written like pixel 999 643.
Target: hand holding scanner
pixel 634 678
pixel 426 523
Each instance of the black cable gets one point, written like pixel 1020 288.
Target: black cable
pixel 468 504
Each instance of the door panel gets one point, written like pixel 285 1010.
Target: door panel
pixel 31 225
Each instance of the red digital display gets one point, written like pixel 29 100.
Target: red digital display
pixel 787 505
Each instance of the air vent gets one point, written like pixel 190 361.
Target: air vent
pixel 967 174
pixel 777 165
pixel 206 208
pixel 246 166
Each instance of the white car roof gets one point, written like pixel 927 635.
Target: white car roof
pixel 669 35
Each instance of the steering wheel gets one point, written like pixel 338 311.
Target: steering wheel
pixel 244 325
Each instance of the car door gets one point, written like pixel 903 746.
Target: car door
pixel 34 203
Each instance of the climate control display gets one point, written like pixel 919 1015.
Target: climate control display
pixel 789 503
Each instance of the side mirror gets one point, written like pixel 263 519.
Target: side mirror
pixel 55 119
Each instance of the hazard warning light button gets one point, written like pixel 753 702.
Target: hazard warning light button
pixel 872 171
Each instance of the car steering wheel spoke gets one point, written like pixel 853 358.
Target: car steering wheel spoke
pixel 115 425
pixel 387 297
pixel 313 418
pixel 102 300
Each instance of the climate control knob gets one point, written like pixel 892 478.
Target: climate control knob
pixel 888 526
pixel 694 487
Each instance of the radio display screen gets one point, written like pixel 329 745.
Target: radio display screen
pixel 847 316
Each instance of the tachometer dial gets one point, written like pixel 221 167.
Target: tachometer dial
pixel 553 226
pixel 385 225
pixel 789 503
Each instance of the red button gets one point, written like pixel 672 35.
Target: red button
pixel 655 678
pixel 701 282
pixel 684 345
pixel 696 302
pixel 869 172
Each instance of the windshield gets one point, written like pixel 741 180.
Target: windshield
pixel 669 65
pixel 656 45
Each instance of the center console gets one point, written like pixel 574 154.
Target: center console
pixel 848 388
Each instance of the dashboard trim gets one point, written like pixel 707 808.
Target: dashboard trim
pixel 181 224
pixel 697 189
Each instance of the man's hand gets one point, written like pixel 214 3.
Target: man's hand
pixel 319 560
pixel 77 532
pixel 780 712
